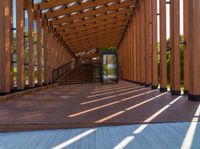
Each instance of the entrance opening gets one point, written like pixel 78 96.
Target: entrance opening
pixel 110 67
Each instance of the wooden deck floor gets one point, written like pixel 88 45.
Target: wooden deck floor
pixel 91 105
pixel 153 136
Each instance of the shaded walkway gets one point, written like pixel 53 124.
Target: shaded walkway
pixel 90 105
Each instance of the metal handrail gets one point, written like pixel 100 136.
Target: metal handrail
pixel 60 71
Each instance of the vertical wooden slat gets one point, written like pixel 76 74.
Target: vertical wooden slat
pixel 5 46
pixel 138 51
pixel 186 51
pixel 163 46
pixel 31 63
pixel 39 50
pixel 175 46
pixel 154 45
pixel 142 42
pixel 134 47
pixel 131 43
pixel 20 45
pixel 46 55
pixel 11 46
pixel 194 46
pixel 148 45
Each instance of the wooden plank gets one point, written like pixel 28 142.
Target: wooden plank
pixel 154 44
pixel 11 48
pixel 5 47
pixel 186 51
pixel 138 37
pixel 114 24
pixel 175 46
pixel 31 57
pixel 163 45
pixel 113 35
pixel 78 7
pixel 142 42
pixel 93 31
pixel 148 44
pixel 134 47
pixel 53 3
pixel 46 50
pixel 194 45
pixel 39 50
pixel 20 45
pixel 97 34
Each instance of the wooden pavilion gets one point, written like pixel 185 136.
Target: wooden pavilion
pixel 61 33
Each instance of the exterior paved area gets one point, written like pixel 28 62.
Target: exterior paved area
pixel 153 136
pixel 92 105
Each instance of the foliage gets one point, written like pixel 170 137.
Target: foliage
pixel 110 49
pixel 26 53
pixel 169 58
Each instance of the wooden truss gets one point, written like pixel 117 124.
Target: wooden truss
pixel 86 24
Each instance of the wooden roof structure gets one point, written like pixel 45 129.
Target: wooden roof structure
pixel 87 24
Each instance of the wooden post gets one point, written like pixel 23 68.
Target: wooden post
pixel 194 46
pixel 138 50
pixel 163 47
pixel 46 56
pixel 175 46
pixel 39 50
pixel 148 44
pixel 31 44
pixel 186 51
pixel 5 46
pixel 142 42
pixel 154 45
pixel 134 47
pixel 20 45
pixel 11 46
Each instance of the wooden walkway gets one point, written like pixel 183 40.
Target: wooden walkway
pixel 92 105
pixel 153 136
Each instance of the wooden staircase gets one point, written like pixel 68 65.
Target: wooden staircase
pixel 81 74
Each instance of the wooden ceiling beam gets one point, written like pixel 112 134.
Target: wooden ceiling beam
pixel 92 13
pixel 95 38
pixel 53 3
pixel 94 21
pixel 77 8
pixel 105 33
pixel 103 27
pixel 94 42
pixel 102 45
pixel 98 25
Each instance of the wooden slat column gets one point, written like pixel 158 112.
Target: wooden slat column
pixel 134 48
pixel 5 46
pixel 163 46
pixel 39 50
pixel 148 44
pixel 194 49
pixel 20 45
pixel 46 81
pixel 154 40
pixel 186 51
pixel 175 46
pixel 142 42
pixel 31 63
pixel 138 49
pixel 132 56
pixel 11 47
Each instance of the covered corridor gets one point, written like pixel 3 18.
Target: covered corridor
pixel 52 70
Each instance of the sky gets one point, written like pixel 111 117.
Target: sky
pixel 168 16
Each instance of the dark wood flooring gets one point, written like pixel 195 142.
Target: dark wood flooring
pixel 90 105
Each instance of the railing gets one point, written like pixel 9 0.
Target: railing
pixel 59 72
